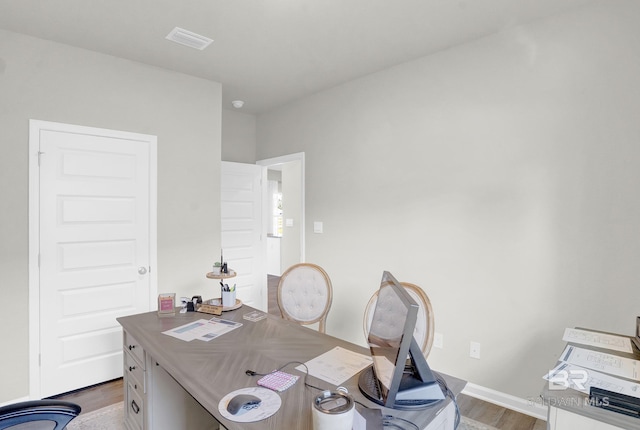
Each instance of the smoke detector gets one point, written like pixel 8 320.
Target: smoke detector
pixel 188 38
pixel 237 104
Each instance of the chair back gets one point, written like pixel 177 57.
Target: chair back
pixel 424 330
pixel 38 415
pixel 305 295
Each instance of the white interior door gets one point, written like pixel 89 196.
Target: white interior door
pixel 243 239
pixel 96 238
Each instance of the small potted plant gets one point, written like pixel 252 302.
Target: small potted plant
pixel 216 268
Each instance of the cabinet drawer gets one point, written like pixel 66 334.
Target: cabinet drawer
pixel 132 345
pixel 134 373
pixel 134 413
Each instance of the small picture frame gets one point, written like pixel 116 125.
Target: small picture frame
pixel 166 304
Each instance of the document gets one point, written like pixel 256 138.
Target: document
pixel 566 375
pixel 598 340
pixel 602 362
pixel 337 365
pixel 202 329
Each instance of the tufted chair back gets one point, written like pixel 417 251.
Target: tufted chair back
pixel 424 330
pixel 305 295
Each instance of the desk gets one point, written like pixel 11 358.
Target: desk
pixel 177 385
pixel 569 409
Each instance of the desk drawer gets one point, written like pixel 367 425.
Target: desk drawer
pixel 132 345
pixel 134 373
pixel 134 414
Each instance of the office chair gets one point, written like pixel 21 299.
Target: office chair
pixel 305 295
pixel 424 325
pixel 38 415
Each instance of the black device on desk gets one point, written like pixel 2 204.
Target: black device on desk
pixel 195 300
pixel 615 402
pixel 393 380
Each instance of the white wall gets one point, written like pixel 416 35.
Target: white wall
pixel 238 136
pixel 53 82
pixel 501 176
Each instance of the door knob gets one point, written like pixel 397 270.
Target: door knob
pixel 142 270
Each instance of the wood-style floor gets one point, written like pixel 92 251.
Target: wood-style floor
pixel 109 393
pixel 97 396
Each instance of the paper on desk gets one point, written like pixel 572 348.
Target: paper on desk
pixel 203 329
pixel 337 365
pixel 602 362
pixel 582 380
pixel 599 340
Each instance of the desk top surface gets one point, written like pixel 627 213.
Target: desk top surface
pixel 211 370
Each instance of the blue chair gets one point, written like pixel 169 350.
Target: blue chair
pixel 38 415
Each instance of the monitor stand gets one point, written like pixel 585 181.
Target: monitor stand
pixel 418 387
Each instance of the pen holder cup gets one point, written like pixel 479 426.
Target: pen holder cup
pixel 228 299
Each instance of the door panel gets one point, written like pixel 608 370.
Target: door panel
pixel 94 235
pixel 242 232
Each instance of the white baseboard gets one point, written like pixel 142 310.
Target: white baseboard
pixel 23 399
pixel 508 401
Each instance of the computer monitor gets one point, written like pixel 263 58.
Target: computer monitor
pixel 399 377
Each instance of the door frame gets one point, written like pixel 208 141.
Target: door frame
pixel 35 128
pixel 298 156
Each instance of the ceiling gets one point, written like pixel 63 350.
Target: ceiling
pixel 270 52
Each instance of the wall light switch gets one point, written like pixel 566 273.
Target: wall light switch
pixel 288 222
pixel 474 350
pixel 317 226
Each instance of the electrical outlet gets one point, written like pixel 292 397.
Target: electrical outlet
pixel 438 340
pixel 474 350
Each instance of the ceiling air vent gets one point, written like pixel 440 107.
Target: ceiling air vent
pixel 188 38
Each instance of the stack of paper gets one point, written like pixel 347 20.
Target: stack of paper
pixel 582 368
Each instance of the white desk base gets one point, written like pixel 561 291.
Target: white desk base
pixel 170 407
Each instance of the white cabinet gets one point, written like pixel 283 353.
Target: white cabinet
pixel 153 399
pixel 559 419
pixel 134 384
pixel 445 419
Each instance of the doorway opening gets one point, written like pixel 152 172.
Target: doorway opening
pixel 285 212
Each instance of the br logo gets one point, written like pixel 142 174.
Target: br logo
pixel 562 379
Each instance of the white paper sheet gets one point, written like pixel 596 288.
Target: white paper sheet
pixel 602 362
pixel 599 340
pixel 202 329
pixel 566 375
pixel 337 365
